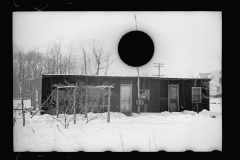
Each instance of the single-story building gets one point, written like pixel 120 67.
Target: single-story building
pixel 159 94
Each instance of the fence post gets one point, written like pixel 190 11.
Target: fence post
pixel 86 103
pixel 109 91
pixel 57 104
pixel 74 104
pixel 23 115
pixel 104 102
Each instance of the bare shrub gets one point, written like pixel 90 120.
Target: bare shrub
pixel 69 100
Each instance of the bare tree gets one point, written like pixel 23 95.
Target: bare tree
pixel 108 62
pixel 95 58
pixel 90 64
pixel 191 74
pixel 53 57
pixel 33 63
pixel 70 60
pixel 74 64
pixel 97 51
pixel 49 58
pixel 83 49
pixel 101 59
pixel 220 59
pixel 16 71
pixel 21 71
pixel 87 60
pixel 145 74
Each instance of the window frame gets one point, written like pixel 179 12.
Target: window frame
pixel 200 94
pixel 218 89
pixel 220 79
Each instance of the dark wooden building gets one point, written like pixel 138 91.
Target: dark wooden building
pixel 160 94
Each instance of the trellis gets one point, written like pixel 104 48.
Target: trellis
pixel 87 89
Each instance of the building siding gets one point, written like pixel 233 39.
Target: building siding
pixel 154 96
pixel 158 90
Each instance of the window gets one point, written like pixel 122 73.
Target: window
pixel 196 94
pixel 220 79
pixel 218 88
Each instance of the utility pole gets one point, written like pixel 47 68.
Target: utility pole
pixel 135 21
pixel 159 65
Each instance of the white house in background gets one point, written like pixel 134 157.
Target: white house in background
pixel 215 83
pixel 203 75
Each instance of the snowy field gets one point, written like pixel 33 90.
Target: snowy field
pixel 147 132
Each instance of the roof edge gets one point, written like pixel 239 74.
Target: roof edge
pixel 56 75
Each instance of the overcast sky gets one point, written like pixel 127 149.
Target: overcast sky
pixel 184 41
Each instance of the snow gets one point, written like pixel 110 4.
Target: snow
pixel 216 108
pixel 216 105
pixel 215 100
pixel 147 132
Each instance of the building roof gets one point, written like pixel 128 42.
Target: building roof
pixel 164 78
pixel 204 75
pixel 75 86
pixel 215 73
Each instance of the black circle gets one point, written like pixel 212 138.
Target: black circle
pixel 136 48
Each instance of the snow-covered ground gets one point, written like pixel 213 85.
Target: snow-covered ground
pixel 216 108
pixel 215 100
pixel 216 105
pixel 145 132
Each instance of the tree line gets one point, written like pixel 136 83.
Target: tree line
pixel 90 59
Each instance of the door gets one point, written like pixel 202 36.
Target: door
pixel 126 98
pixel 173 100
